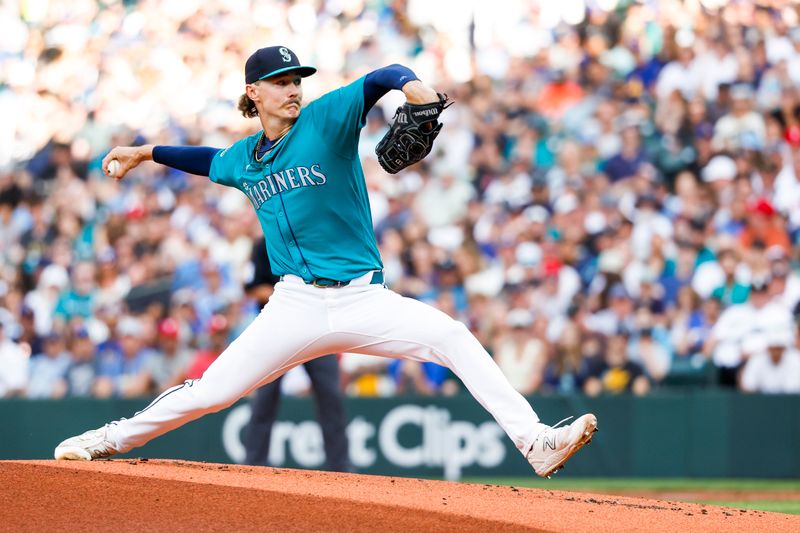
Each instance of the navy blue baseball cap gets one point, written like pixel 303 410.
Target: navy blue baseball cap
pixel 271 61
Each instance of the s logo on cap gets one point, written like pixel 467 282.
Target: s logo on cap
pixel 272 60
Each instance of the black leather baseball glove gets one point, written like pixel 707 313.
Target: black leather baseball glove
pixel 411 134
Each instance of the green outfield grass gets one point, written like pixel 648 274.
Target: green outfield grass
pixel 668 486
pixel 655 484
pixel 773 506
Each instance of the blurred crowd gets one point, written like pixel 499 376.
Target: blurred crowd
pixel 613 205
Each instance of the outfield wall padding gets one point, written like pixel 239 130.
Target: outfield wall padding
pixel 681 434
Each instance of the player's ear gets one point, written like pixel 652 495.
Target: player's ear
pixel 251 91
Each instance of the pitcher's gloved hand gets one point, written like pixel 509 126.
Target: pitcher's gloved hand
pixel 411 134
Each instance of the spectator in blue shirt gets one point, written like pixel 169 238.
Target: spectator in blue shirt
pixel 48 370
pixel 80 375
pixel 630 158
pixel 123 363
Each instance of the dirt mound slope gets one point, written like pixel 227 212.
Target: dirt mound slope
pixel 149 495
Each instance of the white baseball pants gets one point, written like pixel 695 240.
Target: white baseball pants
pixel 301 322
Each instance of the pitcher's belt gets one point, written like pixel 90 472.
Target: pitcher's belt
pixel 370 278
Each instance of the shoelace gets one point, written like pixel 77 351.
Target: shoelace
pixel 554 426
pixel 104 447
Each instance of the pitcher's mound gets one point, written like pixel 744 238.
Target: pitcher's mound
pixel 149 495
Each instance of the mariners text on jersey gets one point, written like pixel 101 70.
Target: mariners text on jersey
pixel 292 178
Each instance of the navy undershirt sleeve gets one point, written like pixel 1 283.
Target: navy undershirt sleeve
pixel 191 159
pixel 197 159
pixel 381 81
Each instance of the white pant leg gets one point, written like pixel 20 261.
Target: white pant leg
pixel 378 321
pixel 291 328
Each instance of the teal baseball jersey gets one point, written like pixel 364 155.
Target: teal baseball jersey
pixel 309 191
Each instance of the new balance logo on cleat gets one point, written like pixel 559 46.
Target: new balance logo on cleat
pixel 559 444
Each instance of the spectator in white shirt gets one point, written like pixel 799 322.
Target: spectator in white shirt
pixel 736 334
pixel 775 370
pixel 684 74
pixel 520 354
pixel 742 128
pixel 793 61
pixel 719 64
pixel 443 200
pixel 52 281
pixel 13 366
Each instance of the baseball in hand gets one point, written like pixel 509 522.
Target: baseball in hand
pixel 113 168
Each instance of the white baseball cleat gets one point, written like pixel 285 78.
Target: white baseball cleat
pixel 555 445
pixel 93 444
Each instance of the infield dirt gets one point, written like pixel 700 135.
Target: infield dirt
pixel 148 495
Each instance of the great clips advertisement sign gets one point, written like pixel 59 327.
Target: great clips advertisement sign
pixel 448 439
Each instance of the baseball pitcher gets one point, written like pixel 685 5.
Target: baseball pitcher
pixel 303 176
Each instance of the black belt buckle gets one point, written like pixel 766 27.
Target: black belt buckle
pixel 324 283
